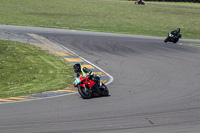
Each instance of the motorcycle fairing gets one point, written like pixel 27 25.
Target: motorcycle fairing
pixel 87 82
pixel 76 82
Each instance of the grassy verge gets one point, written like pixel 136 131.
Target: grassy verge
pixel 173 4
pixel 103 16
pixel 25 69
pixel 176 4
pixel 191 44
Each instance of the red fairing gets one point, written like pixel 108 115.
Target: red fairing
pixel 88 82
pixel 83 85
pixel 85 81
pixel 81 79
pixel 74 85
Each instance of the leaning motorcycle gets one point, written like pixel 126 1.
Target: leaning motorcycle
pixel 139 2
pixel 84 85
pixel 172 38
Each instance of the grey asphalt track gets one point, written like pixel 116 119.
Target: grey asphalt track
pixel 156 87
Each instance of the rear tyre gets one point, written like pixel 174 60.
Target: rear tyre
pixel 84 92
pixel 104 89
pixel 176 40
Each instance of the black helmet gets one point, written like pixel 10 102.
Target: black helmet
pixel 77 68
pixel 178 30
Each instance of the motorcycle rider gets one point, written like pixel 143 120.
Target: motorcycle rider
pixel 176 33
pixel 85 72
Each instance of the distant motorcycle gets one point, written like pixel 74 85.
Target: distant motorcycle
pixel 84 85
pixel 172 38
pixel 139 2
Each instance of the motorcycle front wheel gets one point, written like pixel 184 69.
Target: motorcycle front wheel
pixel 84 92
pixel 166 40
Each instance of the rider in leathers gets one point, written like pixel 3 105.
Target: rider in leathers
pixel 85 72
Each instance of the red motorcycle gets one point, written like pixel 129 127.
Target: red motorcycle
pixel 139 2
pixel 85 88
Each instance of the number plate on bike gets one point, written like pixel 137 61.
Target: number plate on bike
pixel 77 81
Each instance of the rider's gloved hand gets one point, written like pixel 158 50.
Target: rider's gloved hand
pixel 87 75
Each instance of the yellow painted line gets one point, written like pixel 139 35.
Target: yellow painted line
pixel 65 54
pixel 17 98
pixel 103 81
pixel 11 99
pixel 67 90
pixel 74 59
pixel 87 66
pixel 100 73
pixel 5 100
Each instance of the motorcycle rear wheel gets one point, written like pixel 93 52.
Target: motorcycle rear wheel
pixel 176 40
pixel 105 91
pixel 84 92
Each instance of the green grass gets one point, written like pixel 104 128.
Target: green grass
pixel 104 16
pixel 178 4
pixel 25 69
pixel 192 44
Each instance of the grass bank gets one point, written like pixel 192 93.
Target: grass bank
pixel 176 4
pixel 25 69
pixel 117 16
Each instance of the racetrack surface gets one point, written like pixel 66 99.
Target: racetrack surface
pixel 156 88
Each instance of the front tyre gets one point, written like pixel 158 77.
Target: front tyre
pixel 176 40
pixel 84 92
pixel 166 40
